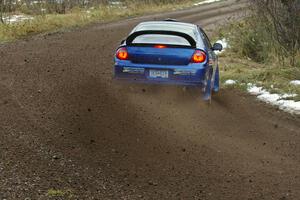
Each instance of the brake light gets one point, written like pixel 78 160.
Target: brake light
pixel 198 57
pixel 122 54
pixel 159 46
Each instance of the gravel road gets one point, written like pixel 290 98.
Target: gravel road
pixel 68 131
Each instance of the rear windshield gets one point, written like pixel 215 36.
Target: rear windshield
pixel 161 39
pixel 189 30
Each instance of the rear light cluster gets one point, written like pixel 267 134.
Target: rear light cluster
pixel 122 54
pixel 198 57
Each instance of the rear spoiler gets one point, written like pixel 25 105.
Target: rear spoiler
pixel 189 38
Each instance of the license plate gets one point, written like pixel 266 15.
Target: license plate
pixel 159 74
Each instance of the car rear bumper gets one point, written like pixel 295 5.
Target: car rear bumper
pixel 182 75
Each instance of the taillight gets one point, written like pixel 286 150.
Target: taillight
pixel 122 54
pixel 159 46
pixel 198 57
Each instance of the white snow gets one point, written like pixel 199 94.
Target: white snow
pixel 205 2
pixel 254 90
pixel 16 18
pixel 290 106
pixel 116 3
pixel 230 82
pixel 295 82
pixel 224 44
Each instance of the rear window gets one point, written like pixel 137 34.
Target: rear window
pixel 189 30
pixel 161 39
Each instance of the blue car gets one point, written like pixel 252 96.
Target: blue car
pixel 169 52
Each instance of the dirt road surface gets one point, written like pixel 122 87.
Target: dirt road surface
pixel 68 131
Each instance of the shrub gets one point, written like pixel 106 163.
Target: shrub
pixel 282 19
pixel 264 38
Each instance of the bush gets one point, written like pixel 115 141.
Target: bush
pixel 282 19
pixel 250 40
pixel 264 38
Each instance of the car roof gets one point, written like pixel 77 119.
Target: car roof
pixel 190 29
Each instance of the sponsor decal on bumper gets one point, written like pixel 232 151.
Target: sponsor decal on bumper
pixel 133 70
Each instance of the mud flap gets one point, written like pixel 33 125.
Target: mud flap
pixel 208 85
pixel 216 86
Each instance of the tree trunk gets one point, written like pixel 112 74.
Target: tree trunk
pixel 1 11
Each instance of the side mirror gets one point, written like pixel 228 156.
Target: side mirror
pixel 217 47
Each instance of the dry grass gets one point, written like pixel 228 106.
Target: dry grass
pixel 272 76
pixel 252 59
pixel 54 193
pixel 80 17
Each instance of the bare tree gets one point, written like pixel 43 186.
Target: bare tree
pixel 283 16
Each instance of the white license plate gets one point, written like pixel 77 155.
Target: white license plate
pixel 159 73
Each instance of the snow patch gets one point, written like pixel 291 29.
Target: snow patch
pixel 230 82
pixel 278 100
pixel 295 82
pixel 254 90
pixel 205 2
pixel 16 18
